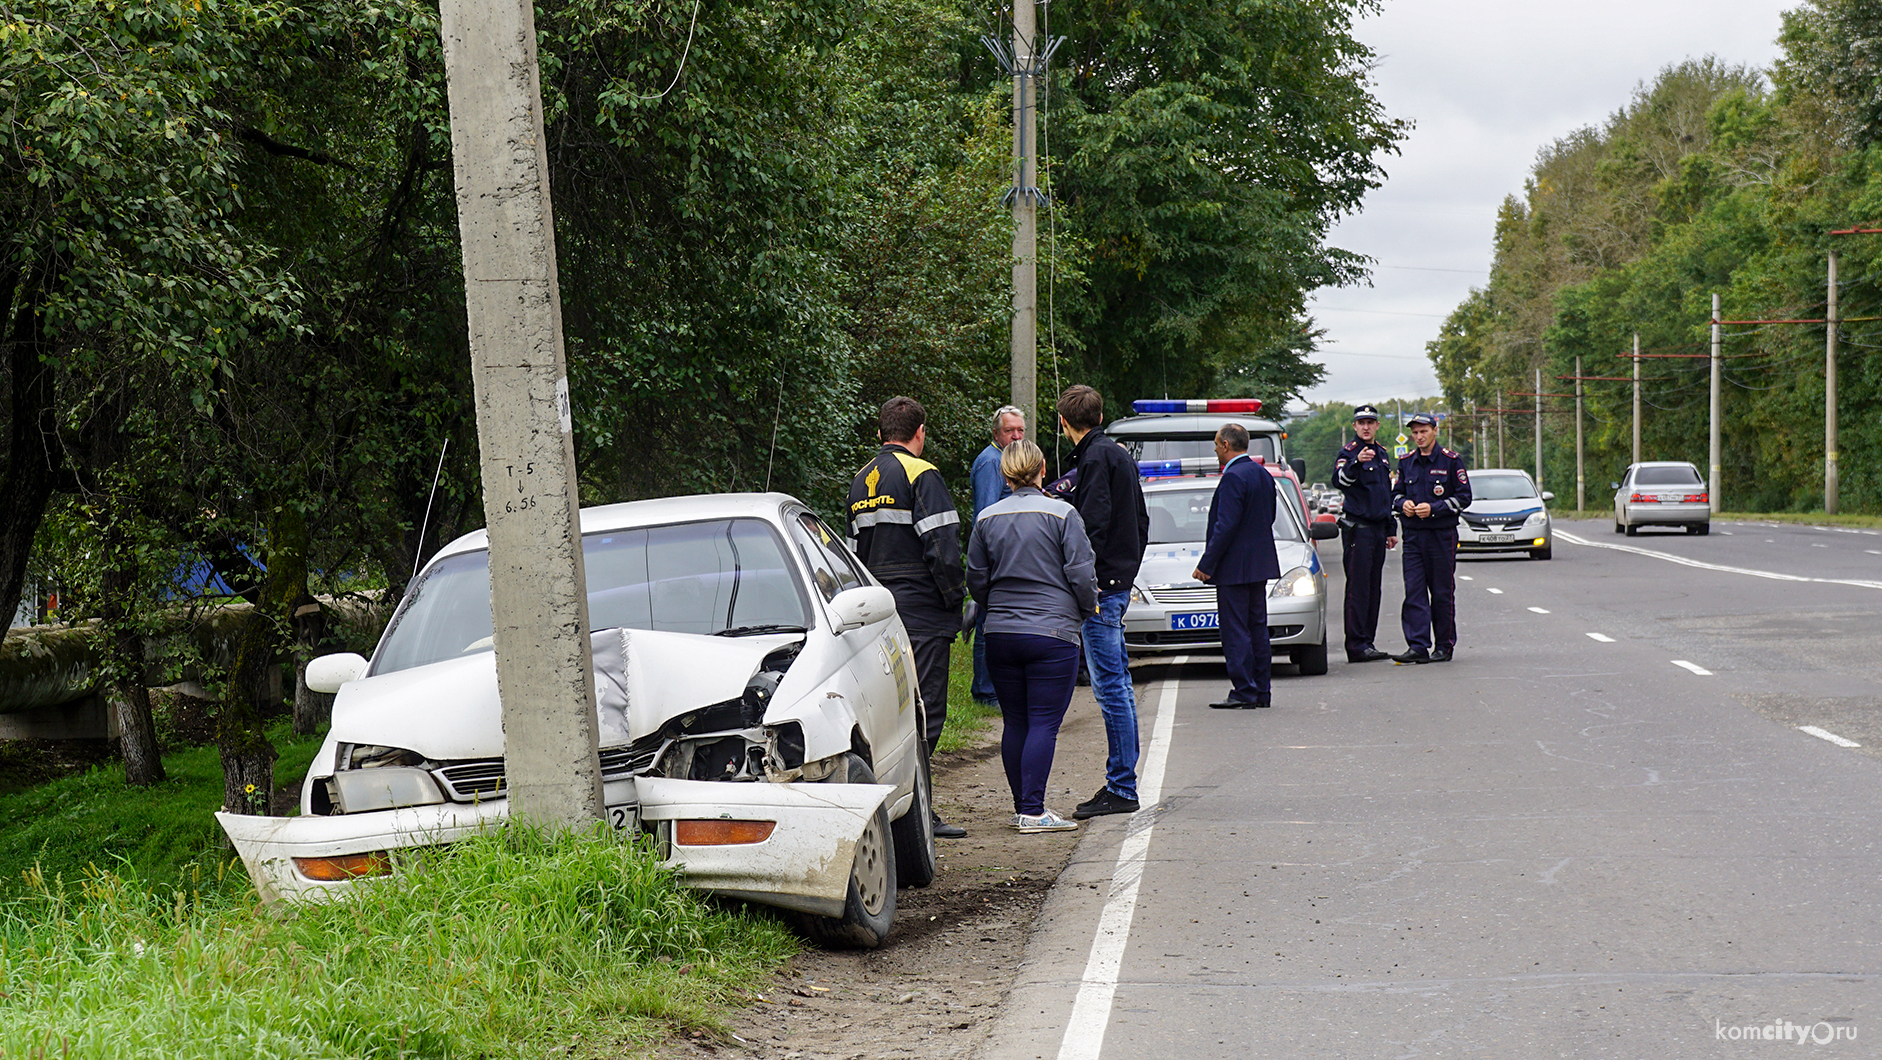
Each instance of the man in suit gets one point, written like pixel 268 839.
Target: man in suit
pixel 1239 560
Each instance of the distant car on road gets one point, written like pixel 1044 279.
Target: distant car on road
pixel 1662 493
pixel 1506 514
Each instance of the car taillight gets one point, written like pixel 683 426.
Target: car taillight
pixel 721 833
pixel 345 866
pixel 1643 498
pixel 1694 498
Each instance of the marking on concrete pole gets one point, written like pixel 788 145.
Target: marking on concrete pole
pixel 1830 736
pixel 1694 667
pixel 1602 638
pixel 1747 571
pixel 1091 1012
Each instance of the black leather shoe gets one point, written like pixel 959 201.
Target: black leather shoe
pixel 1439 655
pixel 944 830
pixel 1366 654
pixel 1412 655
pixel 1104 802
pixel 1228 704
pixel 1260 701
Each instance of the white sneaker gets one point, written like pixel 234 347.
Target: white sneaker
pixel 1045 822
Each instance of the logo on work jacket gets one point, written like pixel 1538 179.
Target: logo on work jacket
pixel 870 480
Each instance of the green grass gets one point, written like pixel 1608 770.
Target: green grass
pixel 968 722
pixel 67 828
pixel 519 942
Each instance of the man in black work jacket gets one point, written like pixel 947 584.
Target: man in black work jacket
pixel 1432 488
pixel 905 529
pixel 1109 495
pixel 1363 472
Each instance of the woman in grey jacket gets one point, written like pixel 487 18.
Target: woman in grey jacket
pixel 1030 566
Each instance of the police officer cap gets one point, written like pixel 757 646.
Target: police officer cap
pixel 1417 418
pixel 1365 412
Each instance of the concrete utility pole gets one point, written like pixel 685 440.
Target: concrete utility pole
pixel 1712 487
pixel 538 590
pixel 1829 397
pixel 1538 431
pixel 1027 63
pixel 1636 397
pixel 1499 429
pixel 1581 490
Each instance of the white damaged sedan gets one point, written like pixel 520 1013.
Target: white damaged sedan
pixel 757 715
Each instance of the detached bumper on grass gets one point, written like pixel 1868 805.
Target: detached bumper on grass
pixel 714 833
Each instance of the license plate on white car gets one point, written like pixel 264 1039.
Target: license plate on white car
pixel 624 817
pixel 1495 539
pixel 1198 620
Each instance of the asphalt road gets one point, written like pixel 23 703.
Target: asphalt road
pixel 1600 832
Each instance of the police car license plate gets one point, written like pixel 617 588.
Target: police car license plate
pixel 1198 620
pixel 1496 539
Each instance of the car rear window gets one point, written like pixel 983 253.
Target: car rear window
pixel 686 578
pixel 1666 476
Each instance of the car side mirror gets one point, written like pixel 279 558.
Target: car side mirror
pixel 1547 496
pixel 1324 531
pixel 862 606
pixel 1614 485
pixel 329 672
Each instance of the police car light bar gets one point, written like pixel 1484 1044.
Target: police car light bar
pixel 1189 465
pixel 1211 405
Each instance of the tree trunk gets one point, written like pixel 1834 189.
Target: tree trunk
pixel 34 460
pixel 143 765
pixel 311 709
pixel 247 755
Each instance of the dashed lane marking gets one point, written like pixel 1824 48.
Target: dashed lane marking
pixel 1685 562
pixel 1694 667
pixel 1822 734
pixel 1465 578
pixel 1540 610
pixel 1499 592
pixel 1601 637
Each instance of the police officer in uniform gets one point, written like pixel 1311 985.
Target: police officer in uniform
pixel 1432 489
pixel 1364 476
pixel 905 529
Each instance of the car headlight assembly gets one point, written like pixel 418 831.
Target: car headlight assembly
pixel 1536 519
pixel 1297 582
pixel 1138 596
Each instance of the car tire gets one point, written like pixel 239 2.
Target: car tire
pixel 1618 528
pixel 869 902
pixel 1702 529
pixel 1632 531
pixel 916 862
pixel 1545 552
pixel 1311 659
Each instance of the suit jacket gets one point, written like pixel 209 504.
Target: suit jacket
pixel 1241 527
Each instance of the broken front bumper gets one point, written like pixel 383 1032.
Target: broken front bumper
pixel 803 864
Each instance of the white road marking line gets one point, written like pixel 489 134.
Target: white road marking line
pixel 1499 592
pixel 1694 667
pixel 1830 736
pixel 1602 637
pixel 1091 1012
pixel 1540 610
pixel 1728 533
pixel 1872 552
pixel 1815 544
pixel 1684 562
pixel 1465 578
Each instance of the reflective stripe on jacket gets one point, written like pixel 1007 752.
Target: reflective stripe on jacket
pixel 903 526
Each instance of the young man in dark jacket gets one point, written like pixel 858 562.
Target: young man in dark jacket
pixel 1109 496
pixel 905 529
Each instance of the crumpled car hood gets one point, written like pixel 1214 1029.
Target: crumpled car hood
pixel 450 710
pixel 1176 564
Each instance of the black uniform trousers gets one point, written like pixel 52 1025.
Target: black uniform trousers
pixel 931 652
pixel 1430 611
pixel 1362 557
pixel 1242 611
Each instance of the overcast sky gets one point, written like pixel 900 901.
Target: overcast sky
pixel 1488 84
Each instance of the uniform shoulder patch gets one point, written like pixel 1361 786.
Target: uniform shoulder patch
pixel 1450 452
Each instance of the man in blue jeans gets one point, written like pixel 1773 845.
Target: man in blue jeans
pixel 1109 496
pixel 1009 426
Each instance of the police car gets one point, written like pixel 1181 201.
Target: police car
pixel 1184 429
pixel 1170 611
pixel 756 705
pixel 1506 514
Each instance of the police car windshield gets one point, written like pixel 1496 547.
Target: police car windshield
pixel 1187 446
pixel 707 577
pixel 1501 487
pixel 1182 516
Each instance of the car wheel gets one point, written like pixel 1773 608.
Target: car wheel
pixel 915 859
pixel 1618 528
pixel 869 904
pixel 1311 659
pixel 1631 531
pixel 1702 529
pixel 1545 552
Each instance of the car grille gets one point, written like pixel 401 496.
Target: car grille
pixel 1191 596
pixel 483 777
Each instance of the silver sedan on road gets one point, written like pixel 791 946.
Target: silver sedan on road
pixel 1662 493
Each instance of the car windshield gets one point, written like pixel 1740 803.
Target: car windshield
pixel 1186 446
pixel 707 577
pixel 1182 516
pixel 1501 488
pixel 1677 475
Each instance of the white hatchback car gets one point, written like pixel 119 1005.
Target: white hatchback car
pixel 757 708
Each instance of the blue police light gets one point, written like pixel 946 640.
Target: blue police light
pixel 1218 405
pixel 1191 465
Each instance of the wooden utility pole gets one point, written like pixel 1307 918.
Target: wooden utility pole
pixel 1829 397
pixel 538 590
pixel 1712 487
pixel 1581 478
